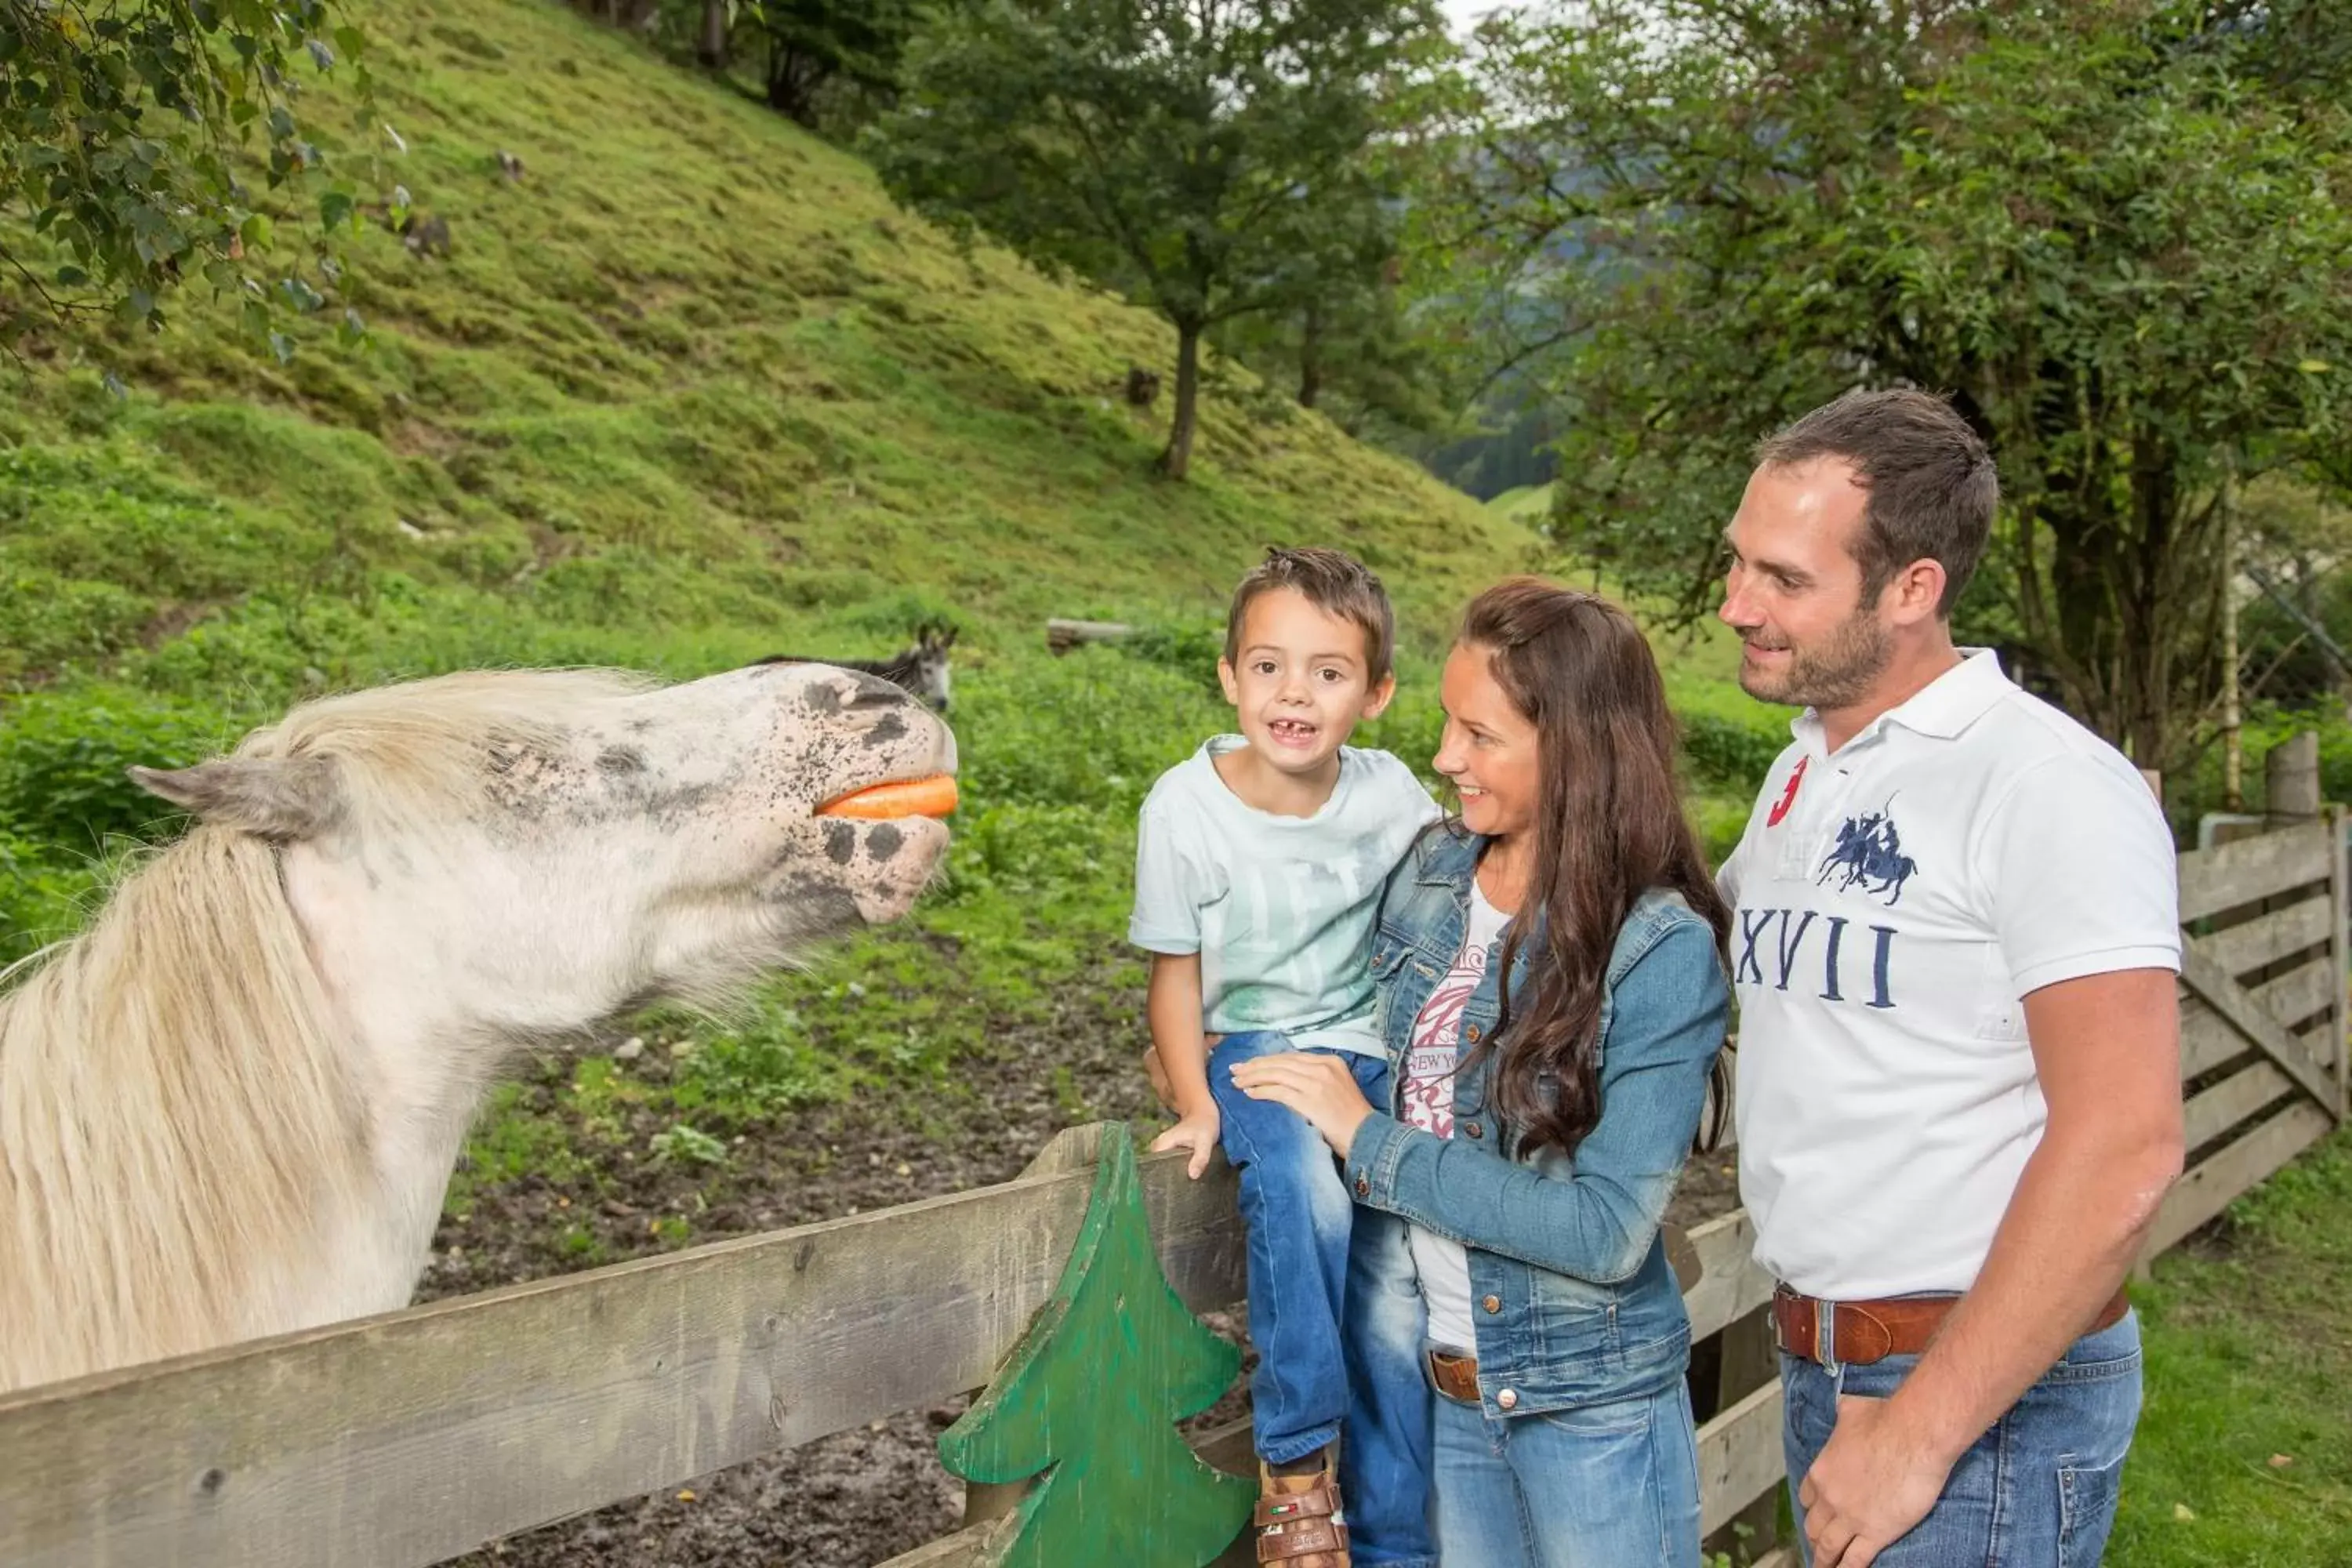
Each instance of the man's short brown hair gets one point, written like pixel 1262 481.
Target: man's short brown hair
pixel 1933 488
pixel 1333 582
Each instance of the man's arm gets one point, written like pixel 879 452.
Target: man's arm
pixel 2107 1050
pixel 1172 1007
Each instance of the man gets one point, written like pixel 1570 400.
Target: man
pixel 1958 1097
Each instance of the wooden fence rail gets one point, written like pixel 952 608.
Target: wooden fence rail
pixel 411 1437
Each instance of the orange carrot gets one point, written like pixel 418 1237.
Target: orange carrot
pixel 933 796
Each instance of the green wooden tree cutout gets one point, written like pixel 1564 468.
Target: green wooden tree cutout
pixel 1091 1398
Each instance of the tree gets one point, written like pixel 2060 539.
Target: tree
pixel 126 135
pixel 1208 157
pixel 2297 619
pixel 1090 1399
pixel 1350 349
pixel 2115 230
pixel 812 42
pixel 712 40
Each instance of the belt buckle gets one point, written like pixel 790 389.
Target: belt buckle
pixel 1825 1335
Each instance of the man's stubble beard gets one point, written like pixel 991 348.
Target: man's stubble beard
pixel 1835 674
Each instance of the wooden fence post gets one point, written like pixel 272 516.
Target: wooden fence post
pixel 2291 772
pixel 2339 899
pixel 1750 1361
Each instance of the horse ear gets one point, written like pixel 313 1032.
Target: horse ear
pixel 270 798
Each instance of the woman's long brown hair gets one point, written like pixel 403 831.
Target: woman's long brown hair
pixel 1609 828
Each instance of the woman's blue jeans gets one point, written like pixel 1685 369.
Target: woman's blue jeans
pixel 1601 1486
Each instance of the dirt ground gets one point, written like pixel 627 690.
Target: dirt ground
pixel 860 1497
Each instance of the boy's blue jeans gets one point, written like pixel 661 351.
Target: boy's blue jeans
pixel 1312 1269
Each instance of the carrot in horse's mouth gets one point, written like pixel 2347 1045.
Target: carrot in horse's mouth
pixel 933 796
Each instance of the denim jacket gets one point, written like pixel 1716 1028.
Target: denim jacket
pixel 1573 1297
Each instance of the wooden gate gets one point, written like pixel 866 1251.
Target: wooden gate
pixel 2262 1020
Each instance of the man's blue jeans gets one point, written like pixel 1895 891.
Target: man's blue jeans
pixel 2040 1486
pixel 1309 1256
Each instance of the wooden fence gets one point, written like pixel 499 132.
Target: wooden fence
pixel 414 1436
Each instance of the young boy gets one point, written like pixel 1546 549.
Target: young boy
pixel 1258 874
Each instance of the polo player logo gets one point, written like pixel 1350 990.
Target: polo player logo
pixel 1869 855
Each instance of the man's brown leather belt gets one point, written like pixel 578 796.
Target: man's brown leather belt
pixel 1457 1376
pixel 1856 1333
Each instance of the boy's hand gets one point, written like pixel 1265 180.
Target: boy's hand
pixel 1197 1132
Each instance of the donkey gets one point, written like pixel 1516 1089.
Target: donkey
pixel 232 1106
pixel 920 671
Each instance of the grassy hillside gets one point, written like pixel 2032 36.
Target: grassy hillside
pixel 689 391
pixel 693 371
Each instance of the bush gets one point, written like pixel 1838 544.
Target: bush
pixel 760 1064
pixel 41 900
pixel 1089 729
pixel 1191 650
pixel 65 758
pixel 56 623
pixel 1725 755
pixel 2196 790
pixel 1037 853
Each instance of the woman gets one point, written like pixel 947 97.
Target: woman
pixel 1553 994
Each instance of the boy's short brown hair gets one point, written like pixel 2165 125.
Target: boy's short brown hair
pixel 1333 582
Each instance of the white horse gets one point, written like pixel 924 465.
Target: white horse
pixel 232 1106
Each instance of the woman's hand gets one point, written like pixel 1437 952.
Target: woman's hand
pixel 1318 1086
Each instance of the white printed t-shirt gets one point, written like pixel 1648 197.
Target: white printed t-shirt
pixel 1280 908
pixel 1895 903
pixel 1426 1096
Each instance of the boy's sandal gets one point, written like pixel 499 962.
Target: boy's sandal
pixel 1295 1524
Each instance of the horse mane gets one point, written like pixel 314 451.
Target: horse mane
pixel 438 743
pixel 174 1116
pixel 169 1115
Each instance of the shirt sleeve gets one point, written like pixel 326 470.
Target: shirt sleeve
pixel 1170 887
pixel 2082 873
pixel 1413 796
pixel 1726 876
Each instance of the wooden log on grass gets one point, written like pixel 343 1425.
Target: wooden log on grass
pixel 1062 635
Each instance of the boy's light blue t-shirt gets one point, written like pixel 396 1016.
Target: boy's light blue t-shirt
pixel 1280 908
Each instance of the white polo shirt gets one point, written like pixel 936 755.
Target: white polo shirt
pixel 1895 903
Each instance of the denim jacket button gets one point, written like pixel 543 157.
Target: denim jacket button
pixel 1493 1303
pixel 1508 1400
pixel 1472 1130
pixel 1363 1187
pixel 1470 1033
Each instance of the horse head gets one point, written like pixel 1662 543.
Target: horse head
pixel 231 1107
